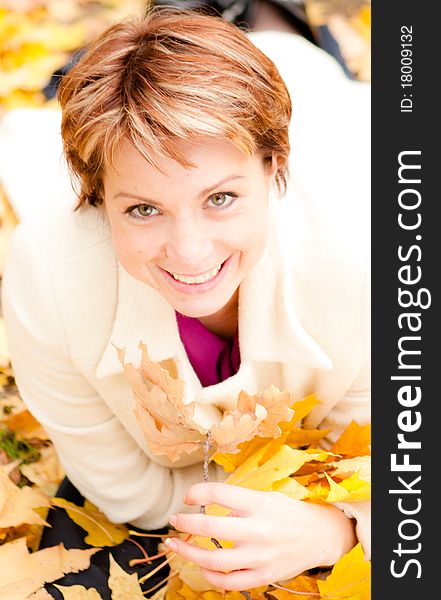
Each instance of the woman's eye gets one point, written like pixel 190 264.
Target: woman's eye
pixel 222 199
pixel 142 211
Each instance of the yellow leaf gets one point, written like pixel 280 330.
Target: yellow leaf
pixel 286 432
pixel 358 464
pixel 349 579
pixel 359 490
pixel 47 472
pixel 27 572
pixel 291 488
pixel 285 462
pixel 336 492
pixel 101 531
pixel 123 584
pixel 306 586
pixel 40 594
pixel 230 461
pixel 304 437
pixel 17 504
pixel 301 409
pixel 78 592
pixel 190 573
pixel 354 441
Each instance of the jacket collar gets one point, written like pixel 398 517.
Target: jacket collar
pixel 269 327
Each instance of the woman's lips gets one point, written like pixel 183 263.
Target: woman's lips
pixel 197 288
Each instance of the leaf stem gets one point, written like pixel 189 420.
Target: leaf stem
pixel 132 532
pixel 144 553
pixel 207 444
pixel 158 568
pixel 158 585
pixel 280 587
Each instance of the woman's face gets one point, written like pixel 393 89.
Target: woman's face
pixel 190 233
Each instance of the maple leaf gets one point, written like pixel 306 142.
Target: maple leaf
pixel 307 586
pixel 122 584
pixel 27 572
pixel 101 531
pixel 46 473
pixel 350 577
pixel 357 464
pixel 238 424
pixel 17 504
pixel 284 430
pixel 164 418
pixel 169 425
pixel 354 441
pixel 78 592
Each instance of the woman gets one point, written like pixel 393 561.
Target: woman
pixel 176 129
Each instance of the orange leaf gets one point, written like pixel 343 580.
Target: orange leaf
pixel 354 441
pixel 307 586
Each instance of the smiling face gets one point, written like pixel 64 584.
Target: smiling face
pixel 191 233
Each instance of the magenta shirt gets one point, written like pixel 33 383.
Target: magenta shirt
pixel 212 358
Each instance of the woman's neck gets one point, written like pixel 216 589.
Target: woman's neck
pixel 224 322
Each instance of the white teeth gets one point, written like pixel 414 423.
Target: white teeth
pixel 200 278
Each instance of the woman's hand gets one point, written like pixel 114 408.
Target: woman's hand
pixel 275 537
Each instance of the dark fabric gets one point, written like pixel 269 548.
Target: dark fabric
pixel 72 536
pixel 212 358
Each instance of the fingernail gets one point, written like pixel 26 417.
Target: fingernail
pixel 171 544
pixel 173 520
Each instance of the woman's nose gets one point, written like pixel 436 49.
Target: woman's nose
pixel 189 245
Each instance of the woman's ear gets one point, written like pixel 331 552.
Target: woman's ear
pixel 273 166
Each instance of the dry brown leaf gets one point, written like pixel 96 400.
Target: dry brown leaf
pixel 17 504
pixel 27 572
pixel 170 440
pixel 164 418
pixel 277 405
pixel 238 425
pixel 256 415
pixel 168 424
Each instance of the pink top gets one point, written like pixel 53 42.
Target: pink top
pixel 212 358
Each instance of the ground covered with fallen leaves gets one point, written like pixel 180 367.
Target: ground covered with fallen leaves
pixel 276 454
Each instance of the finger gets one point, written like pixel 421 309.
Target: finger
pixel 225 559
pixel 226 528
pixel 225 494
pixel 245 579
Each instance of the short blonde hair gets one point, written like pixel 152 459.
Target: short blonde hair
pixel 174 75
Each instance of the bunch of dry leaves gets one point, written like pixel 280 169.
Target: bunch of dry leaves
pixel 260 443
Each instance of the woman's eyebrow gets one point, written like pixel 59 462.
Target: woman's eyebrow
pixel 204 192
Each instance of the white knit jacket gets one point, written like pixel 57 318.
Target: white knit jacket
pixel 303 321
